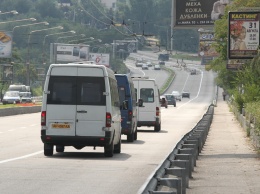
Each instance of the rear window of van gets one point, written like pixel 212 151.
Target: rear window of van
pixel 75 90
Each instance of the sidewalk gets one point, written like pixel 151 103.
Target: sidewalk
pixel 228 164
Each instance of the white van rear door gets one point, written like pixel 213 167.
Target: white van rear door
pixel 91 102
pixel 147 94
pixel 61 102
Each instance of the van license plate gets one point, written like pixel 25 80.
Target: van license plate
pixel 60 126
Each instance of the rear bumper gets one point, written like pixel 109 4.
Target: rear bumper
pixel 148 123
pixel 77 140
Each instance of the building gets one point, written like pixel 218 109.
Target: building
pixel 110 4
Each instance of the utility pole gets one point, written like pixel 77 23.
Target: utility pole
pixel 172 26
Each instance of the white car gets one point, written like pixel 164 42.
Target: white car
pixel 157 67
pixel 11 97
pixel 177 95
pixel 145 66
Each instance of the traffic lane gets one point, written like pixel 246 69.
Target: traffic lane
pixel 91 171
pixel 19 135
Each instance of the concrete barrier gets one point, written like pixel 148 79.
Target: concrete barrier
pixel 19 110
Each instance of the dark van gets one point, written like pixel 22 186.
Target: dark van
pixel 128 107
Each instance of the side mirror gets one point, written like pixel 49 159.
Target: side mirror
pixel 140 102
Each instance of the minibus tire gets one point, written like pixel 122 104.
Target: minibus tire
pixel 157 127
pixel 48 149
pixel 117 147
pixel 109 150
pixel 135 135
pixel 130 137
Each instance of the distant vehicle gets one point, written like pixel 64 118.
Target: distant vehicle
pixel 26 97
pixel 145 66
pixel 11 97
pixel 149 63
pixel 164 102
pixel 171 99
pixel 139 64
pixel 19 88
pixel 185 94
pixel 157 67
pixel 193 72
pixel 177 95
pixel 161 63
pixel 163 57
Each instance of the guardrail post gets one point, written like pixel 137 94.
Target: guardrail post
pixel 190 152
pixel 172 183
pixel 179 172
pixel 185 157
pixel 195 150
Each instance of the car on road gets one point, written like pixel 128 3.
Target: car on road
pixel 171 99
pixel 161 63
pixel 163 102
pixel 145 66
pixel 11 97
pixel 193 72
pixel 149 63
pixel 157 67
pixel 26 97
pixel 177 95
pixel 185 94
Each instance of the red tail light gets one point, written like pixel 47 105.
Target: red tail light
pixel 157 111
pixel 108 119
pixel 130 114
pixel 43 118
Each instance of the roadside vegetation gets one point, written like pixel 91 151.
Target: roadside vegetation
pixel 243 85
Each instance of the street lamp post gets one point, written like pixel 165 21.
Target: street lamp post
pixel 11 12
pixel 22 20
pixel 90 38
pixel 28 51
pixel 43 43
pixel 82 35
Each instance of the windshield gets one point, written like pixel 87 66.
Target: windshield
pixel 12 94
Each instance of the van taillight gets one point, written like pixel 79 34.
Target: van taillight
pixel 130 114
pixel 108 119
pixel 157 111
pixel 43 118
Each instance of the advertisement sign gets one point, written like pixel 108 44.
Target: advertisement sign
pixel 243 35
pixel 198 13
pixel 129 46
pixel 100 58
pixel 235 64
pixel 206 60
pixel 5 44
pixel 205 45
pixel 7 72
pixel 71 52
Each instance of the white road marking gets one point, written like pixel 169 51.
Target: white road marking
pixel 21 157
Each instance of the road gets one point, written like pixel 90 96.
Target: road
pixel 24 168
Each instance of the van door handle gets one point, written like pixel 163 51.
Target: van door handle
pixel 82 111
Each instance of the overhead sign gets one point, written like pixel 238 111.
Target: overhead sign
pixel 100 58
pixel 70 52
pixel 198 13
pixel 5 44
pixel 243 35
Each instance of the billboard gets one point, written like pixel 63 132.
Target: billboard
pixel 197 13
pixel 100 58
pixel 5 44
pixel 206 39
pixel 243 35
pixel 129 46
pixel 69 52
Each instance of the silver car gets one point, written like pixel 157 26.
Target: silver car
pixel 177 95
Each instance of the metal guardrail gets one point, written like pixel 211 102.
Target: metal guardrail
pixel 37 99
pixel 174 173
